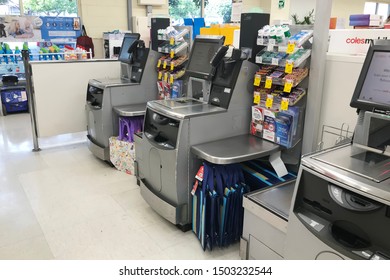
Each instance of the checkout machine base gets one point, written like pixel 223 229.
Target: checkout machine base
pixel 170 212
pixel 265 222
pixel 99 152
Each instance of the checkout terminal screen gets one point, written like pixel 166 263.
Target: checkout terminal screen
pixel 201 55
pixel 124 55
pixel 376 86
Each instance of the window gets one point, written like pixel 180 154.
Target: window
pixel 374 8
pixel 9 7
pixel 63 8
pixel 215 11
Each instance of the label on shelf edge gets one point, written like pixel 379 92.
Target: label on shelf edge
pixel 171 79
pixel 257 80
pixel 260 41
pixel 165 64
pixel 289 67
pixel 288 86
pixel 269 101
pixel 159 63
pixel 268 82
pixel 256 98
pixel 172 53
pixel 284 104
pixel 290 48
pixel 259 59
pixel 172 41
pixel 275 61
pixel 159 75
pixel 166 77
pixel 172 66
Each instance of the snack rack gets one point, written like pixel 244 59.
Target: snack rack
pixel 280 85
pixel 175 47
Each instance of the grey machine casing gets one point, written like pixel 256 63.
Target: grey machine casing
pixel 102 122
pixel 166 169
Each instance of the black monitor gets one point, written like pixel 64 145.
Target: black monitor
pixel 203 50
pixel 372 92
pixel 129 42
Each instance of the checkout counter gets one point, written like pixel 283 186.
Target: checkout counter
pixel 340 206
pixel 134 88
pixel 166 167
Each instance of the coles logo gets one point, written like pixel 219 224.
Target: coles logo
pixel 357 40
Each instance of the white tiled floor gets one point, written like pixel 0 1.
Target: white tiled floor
pixel 63 203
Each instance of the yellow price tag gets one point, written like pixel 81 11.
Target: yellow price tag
pixel 172 53
pixel 172 41
pixel 284 104
pixel 165 64
pixel 257 80
pixel 172 66
pixel 166 77
pixel 290 48
pixel 289 67
pixel 288 86
pixel 256 98
pixel 159 75
pixel 159 63
pixel 268 82
pixel 171 79
pixel 269 101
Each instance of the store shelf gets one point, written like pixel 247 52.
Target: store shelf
pixel 174 39
pixel 166 62
pixel 166 48
pixel 280 78
pixel 298 40
pixel 293 98
pixel 281 58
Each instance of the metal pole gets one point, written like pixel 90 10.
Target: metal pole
pixel 30 98
pixel 317 75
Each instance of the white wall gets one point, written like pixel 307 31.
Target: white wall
pixel 254 5
pixel 301 7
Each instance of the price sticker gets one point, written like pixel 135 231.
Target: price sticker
pixel 284 104
pixel 172 41
pixel 159 63
pixel 171 79
pixel 270 48
pixel 257 80
pixel 268 82
pixel 166 77
pixel 259 59
pixel 260 41
pixel 172 66
pixel 256 98
pixel 159 75
pixel 172 53
pixel 269 101
pixel 271 42
pixel 165 64
pixel 290 48
pixel 289 67
pixel 288 86
pixel 275 61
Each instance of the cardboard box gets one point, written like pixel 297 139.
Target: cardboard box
pixel 122 155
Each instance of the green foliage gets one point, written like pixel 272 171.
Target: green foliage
pixel 183 9
pixel 309 19
pixel 50 7
pixel 225 11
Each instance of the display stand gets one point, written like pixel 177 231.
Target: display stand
pixel 175 46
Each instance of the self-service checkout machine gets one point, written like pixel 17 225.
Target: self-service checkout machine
pixel 166 167
pixel 340 205
pixel 136 86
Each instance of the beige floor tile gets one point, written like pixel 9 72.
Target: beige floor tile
pixel 29 249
